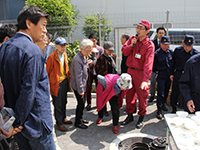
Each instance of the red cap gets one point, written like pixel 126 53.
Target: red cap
pixel 145 23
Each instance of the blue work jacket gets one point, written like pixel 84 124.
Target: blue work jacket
pixel 25 82
pixel 162 60
pixel 180 57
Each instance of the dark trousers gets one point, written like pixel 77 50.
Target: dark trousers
pixel 60 102
pixel 79 107
pixel 175 89
pixel 89 86
pixel 124 67
pixel 163 85
pixel 114 108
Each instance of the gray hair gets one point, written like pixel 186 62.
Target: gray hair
pixel 85 43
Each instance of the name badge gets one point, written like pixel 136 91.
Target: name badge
pixel 137 56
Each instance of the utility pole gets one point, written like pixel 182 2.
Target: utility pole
pixel 167 22
pixel 99 29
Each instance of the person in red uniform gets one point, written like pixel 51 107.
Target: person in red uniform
pixel 140 52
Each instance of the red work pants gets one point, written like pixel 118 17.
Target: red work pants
pixel 131 96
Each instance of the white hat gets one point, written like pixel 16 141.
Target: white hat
pixel 125 81
pixel 94 50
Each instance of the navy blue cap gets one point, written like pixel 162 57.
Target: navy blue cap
pixel 60 41
pixel 165 40
pixel 189 40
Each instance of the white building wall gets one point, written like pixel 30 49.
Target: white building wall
pixel 125 13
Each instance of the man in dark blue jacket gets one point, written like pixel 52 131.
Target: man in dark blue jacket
pixel 26 82
pixel 189 84
pixel 180 56
pixel 162 65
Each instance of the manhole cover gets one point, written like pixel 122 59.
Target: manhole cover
pixel 125 142
pixel 128 143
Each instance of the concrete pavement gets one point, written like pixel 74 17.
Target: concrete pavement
pixel 100 136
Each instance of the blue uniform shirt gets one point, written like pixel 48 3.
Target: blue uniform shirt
pixel 190 79
pixel 180 57
pixel 162 60
pixel 25 83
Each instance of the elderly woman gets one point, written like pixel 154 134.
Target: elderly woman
pixel 78 70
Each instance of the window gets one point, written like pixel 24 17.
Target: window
pixel 176 37
pixel 150 33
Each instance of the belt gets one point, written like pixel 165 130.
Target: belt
pixel 181 71
pixel 164 70
pixel 137 69
pixel 194 93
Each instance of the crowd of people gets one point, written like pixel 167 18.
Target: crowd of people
pixel 32 69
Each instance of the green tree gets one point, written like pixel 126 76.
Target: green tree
pixel 71 50
pixel 62 13
pixel 91 23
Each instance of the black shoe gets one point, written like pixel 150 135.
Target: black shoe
pixel 106 113
pixel 164 108
pixel 159 116
pixel 84 121
pixel 173 110
pixel 128 119
pixel 82 126
pixel 151 99
pixel 135 110
pixel 88 107
pixel 140 122
pixel 159 113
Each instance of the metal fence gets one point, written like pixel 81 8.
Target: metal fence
pixel 126 22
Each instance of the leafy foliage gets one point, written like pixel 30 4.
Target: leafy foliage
pixel 91 23
pixel 72 49
pixel 62 13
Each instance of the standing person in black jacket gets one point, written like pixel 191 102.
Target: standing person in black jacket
pixel 180 57
pixel 91 73
pixel 160 33
pixel 189 84
pixel 124 67
pixel 163 65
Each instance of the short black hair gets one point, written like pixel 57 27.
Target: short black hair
pixel 91 36
pixel 8 30
pixel 126 35
pixel 160 28
pixel 31 13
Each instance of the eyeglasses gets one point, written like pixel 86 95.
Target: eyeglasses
pixel 141 28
